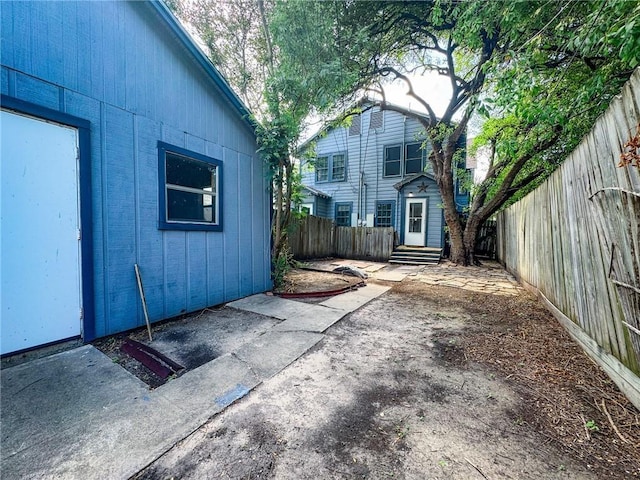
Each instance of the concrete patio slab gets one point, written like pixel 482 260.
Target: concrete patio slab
pixel 193 341
pixel 92 419
pixel 273 351
pixel 76 414
pixel 353 300
pixel 208 389
pixel 50 394
pixel 317 320
pixel 270 305
pixel 391 275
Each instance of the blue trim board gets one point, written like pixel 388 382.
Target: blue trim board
pixel 86 218
pixel 163 224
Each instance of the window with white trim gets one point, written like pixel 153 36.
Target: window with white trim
pixel 190 190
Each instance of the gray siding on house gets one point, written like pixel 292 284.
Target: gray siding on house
pixel 366 154
pixel 119 66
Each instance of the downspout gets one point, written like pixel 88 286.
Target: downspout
pixel 364 200
pixel 399 206
pixel 361 173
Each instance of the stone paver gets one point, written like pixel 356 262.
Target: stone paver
pixel 489 278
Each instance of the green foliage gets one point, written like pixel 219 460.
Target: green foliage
pixel 539 71
pixel 282 264
pixel 592 426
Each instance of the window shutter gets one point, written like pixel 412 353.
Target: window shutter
pixel 376 121
pixel 354 129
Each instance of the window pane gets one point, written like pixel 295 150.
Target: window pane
pixel 343 215
pixel 383 215
pixel 392 161
pixel 187 172
pixel 190 207
pixel 322 169
pixel 413 159
pixel 338 168
pixel 415 217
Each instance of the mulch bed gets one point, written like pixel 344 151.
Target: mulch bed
pixel 307 281
pixel 566 397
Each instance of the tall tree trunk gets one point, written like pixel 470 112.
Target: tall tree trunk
pixel 444 179
pixel 277 218
pixel 474 222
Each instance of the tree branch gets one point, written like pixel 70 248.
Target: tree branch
pixel 411 93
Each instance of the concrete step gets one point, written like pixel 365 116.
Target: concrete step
pixel 414 262
pixel 416 255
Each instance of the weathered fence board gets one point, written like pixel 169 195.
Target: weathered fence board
pixel 315 237
pixel 576 239
pixel 312 237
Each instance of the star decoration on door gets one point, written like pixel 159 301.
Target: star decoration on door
pixel 422 187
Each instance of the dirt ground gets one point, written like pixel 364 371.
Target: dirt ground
pixel 425 382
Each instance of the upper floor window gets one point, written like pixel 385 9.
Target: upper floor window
pixel 338 168
pixel 413 159
pixel 397 162
pixel 392 160
pixel 331 168
pixel 190 189
pixel 322 169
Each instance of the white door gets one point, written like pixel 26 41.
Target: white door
pixel 39 233
pixel 415 228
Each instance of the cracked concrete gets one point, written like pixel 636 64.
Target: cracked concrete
pixel 76 414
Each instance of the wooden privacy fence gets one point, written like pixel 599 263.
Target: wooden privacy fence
pixel 315 237
pixel 576 240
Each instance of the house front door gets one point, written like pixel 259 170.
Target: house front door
pixel 40 268
pixel 415 225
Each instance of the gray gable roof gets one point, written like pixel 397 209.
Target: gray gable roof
pixel 406 181
pixel 315 192
pixel 329 125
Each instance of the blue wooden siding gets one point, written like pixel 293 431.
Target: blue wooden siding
pixel 119 66
pixel 435 222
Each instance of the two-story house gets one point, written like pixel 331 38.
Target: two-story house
pixel 376 172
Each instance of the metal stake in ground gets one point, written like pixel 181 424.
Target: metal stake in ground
pixel 144 301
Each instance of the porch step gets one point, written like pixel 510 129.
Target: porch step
pixel 416 255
